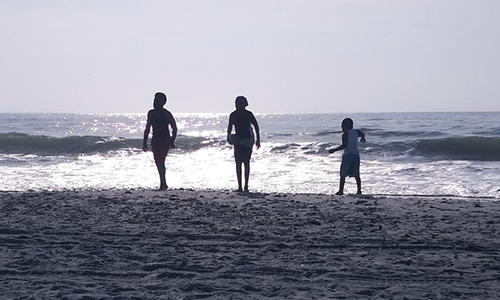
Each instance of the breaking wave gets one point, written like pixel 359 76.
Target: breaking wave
pixel 460 148
pixel 463 148
pixel 21 143
pixel 456 148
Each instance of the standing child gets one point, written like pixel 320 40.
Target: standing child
pixel 350 158
pixel 160 119
pixel 243 140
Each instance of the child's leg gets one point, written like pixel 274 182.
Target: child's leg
pixel 246 161
pixel 358 183
pixel 238 175
pixel 238 159
pixel 341 186
pixel 161 171
pixel 247 174
pixel 160 154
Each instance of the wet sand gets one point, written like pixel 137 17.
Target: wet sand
pixel 184 244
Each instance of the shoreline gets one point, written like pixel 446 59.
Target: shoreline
pixel 187 244
pixel 374 196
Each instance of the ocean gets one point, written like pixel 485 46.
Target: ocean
pixel 455 154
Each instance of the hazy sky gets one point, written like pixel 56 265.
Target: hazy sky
pixel 284 55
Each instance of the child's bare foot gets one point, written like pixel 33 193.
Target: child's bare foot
pixel 246 189
pixel 163 188
pixel 339 193
pixel 240 190
pixel 359 193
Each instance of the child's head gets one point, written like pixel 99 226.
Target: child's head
pixel 160 100
pixel 347 124
pixel 241 102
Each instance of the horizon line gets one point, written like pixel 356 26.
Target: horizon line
pixel 274 113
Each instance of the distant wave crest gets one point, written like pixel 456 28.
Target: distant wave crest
pixel 466 148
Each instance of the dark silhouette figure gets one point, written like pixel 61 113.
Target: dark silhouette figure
pixel 350 158
pixel 162 141
pixel 243 140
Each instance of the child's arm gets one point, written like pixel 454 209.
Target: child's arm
pixel 229 127
pixel 361 135
pixel 173 124
pixel 341 147
pixel 257 131
pixel 146 133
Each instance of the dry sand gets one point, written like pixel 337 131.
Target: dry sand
pixel 184 244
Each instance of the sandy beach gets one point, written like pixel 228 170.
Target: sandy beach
pixel 185 244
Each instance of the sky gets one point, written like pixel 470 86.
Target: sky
pixel 289 56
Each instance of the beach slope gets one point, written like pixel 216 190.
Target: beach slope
pixel 184 244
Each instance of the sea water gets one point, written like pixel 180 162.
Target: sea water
pixel 405 153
